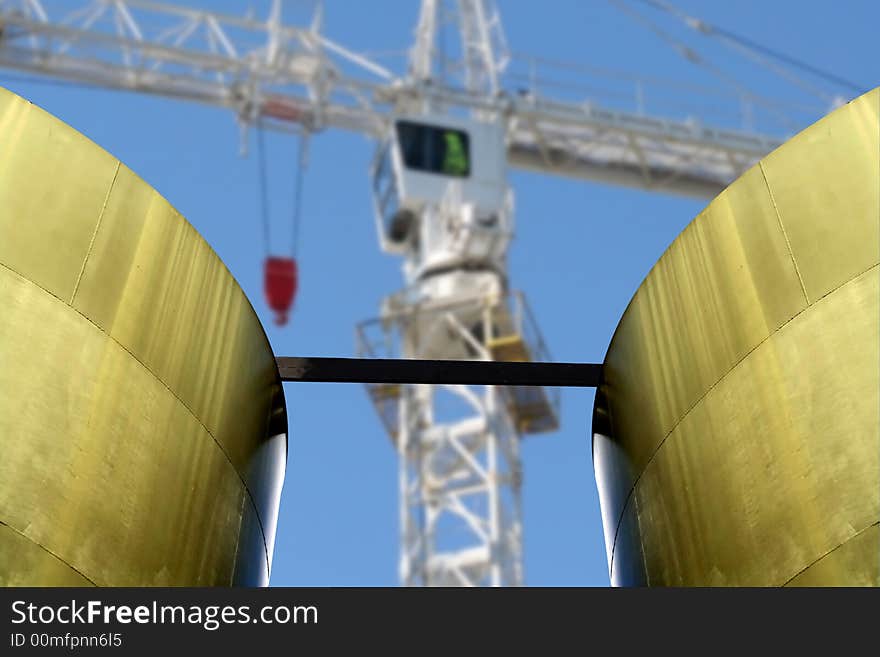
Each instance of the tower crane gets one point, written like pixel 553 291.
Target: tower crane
pixel 442 204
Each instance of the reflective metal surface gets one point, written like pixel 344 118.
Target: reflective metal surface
pixel 142 421
pixel 736 435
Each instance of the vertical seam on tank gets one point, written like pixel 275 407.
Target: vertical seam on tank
pixel 706 393
pixel 95 233
pixel 784 233
pixel 819 558
pixel 48 551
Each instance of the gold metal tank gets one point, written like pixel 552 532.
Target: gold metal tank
pixel 142 420
pixel 736 436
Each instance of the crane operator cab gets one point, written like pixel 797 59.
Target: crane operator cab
pixel 440 194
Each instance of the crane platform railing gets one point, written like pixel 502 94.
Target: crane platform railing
pixel 496 328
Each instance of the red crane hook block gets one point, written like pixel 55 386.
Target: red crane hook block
pixel 280 283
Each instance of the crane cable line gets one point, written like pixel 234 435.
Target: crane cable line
pixel 708 29
pixel 263 176
pixel 695 58
pixel 302 163
pixel 264 188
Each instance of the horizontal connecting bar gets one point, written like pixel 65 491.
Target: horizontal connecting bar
pixel 462 372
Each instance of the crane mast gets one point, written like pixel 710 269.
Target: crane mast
pixel 442 204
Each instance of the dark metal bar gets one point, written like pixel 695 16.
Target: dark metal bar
pixel 465 372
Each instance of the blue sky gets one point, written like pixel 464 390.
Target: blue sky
pixel 581 251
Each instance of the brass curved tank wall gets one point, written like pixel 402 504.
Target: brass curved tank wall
pixel 736 436
pixel 142 420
